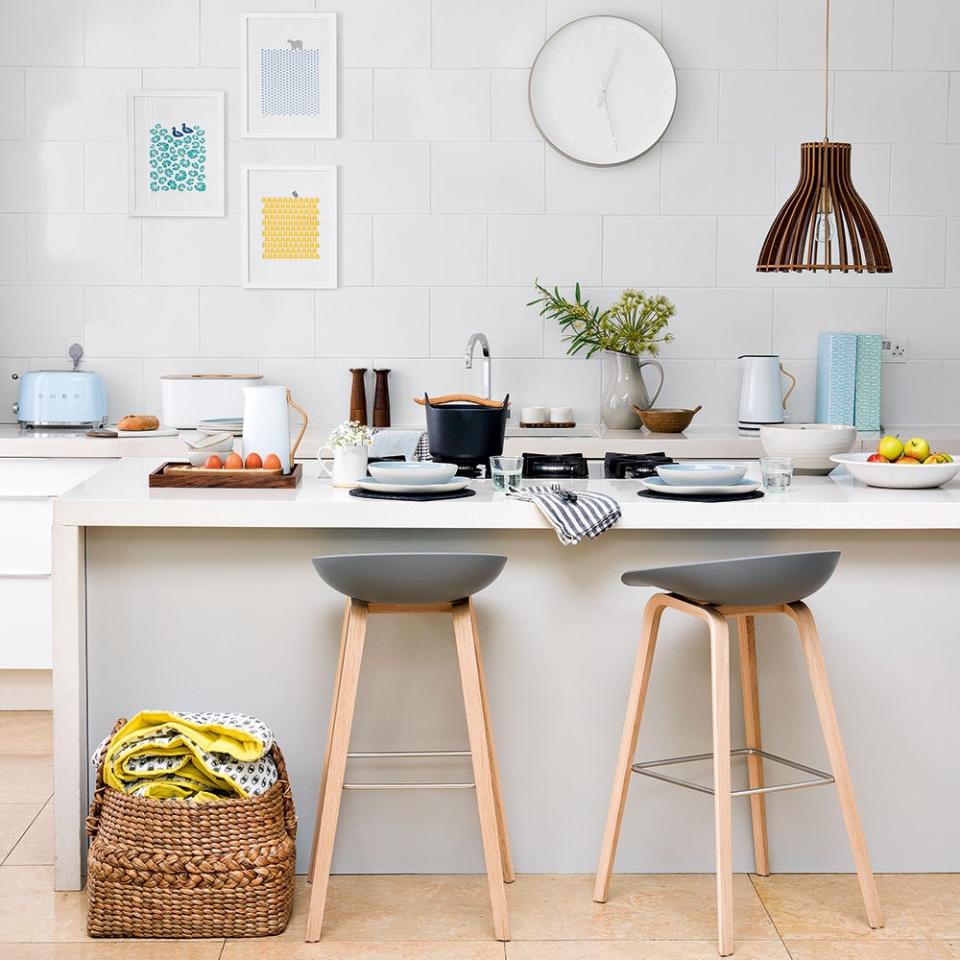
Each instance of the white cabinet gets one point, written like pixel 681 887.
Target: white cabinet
pixel 26 637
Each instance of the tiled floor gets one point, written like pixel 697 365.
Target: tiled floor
pixel 648 917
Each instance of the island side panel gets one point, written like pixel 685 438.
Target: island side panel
pixel 237 619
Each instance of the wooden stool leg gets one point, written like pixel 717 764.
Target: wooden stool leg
pixel 502 834
pixel 720 683
pixel 336 766
pixel 480 754
pixel 838 759
pixel 628 744
pixel 326 753
pixel 746 628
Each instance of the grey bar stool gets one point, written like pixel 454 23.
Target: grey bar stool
pixel 411 583
pixel 740 588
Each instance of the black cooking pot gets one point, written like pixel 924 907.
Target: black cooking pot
pixel 467 434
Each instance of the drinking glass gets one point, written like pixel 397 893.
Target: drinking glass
pixel 776 473
pixel 505 472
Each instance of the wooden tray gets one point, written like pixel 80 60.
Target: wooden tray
pixel 183 475
pixel 548 426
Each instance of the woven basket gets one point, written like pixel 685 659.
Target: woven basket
pixel 175 869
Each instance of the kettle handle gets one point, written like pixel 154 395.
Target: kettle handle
pixel 653 363
pixel 303 429
pixel 793 385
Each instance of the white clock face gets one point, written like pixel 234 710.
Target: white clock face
pixel 602 90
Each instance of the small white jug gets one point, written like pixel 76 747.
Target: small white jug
pixel 349 464
pixel 266 423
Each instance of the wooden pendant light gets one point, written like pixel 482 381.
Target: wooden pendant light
pixel 825 225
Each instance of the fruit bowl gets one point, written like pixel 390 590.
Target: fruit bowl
pixel 809 445
pixel 898 476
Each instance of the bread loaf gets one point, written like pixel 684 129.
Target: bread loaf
pixel 139 421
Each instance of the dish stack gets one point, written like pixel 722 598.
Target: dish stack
pixel 397 476
pixel 701 479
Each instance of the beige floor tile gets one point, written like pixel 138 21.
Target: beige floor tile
pixel 26 731
pixel 641 907
pixel 882 950
pixel 27 778
pixel 640 950
pixel 36 846
pixel 339 950
pixel 828 906
pixel 30 911
pixel 15 819
pixel 114 950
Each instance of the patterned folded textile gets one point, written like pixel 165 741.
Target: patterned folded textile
pixel 575 515
pixel 195 756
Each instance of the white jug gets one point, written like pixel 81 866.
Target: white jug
pixel 762 400
pixel 266 423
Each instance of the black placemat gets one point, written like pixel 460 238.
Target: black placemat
pixel 451 495
pixel 700 497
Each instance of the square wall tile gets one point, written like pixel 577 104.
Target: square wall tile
pixel 925 35
pixel 321 387
pixel 629 188
pixel 718 178
pixel 714 324
pixel 253 152
pixel 561 249
pixel 379 177
pixel 364 321
pixel 486 177
pixel 42 33
pixel 927 320
pixel 497 33
pixel 384 33
pixel 123 380
pixel 739 240
pixel 83 248
pixel 141 321
pixel 429 250
pixel 9 391
pixel 13 248
pixel 411 378
pixel 510 106
pixel 648 13
pixel 38 321
pixel 660 251
pixel 913 392
pixel 12 117
pixel 355 252
pixel 185 251
pixel 771 105
pixel 105 164
pixel 41 177
pixel 431 104
pixel 570 382
pixel 800 316
pixel 869 168
pixel 951 375
pixel 954 132
pixel 924 180
pixel 236 322
pixel 687 383
pixel 721 33
pixel 193 78
pixel 513 328
pixel 141 33
pixel 698 107
pixel 155 368
pixel 356 104
pixel 71 104
pixel 861 34
pixel 953 252
pixel 916 250
pixel 891 107
pixel 220 26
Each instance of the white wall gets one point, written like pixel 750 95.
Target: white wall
pixel 452 205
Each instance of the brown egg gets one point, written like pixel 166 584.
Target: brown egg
pixel 272 462
pixel 234 462
pixel 253 461
pixel 213 463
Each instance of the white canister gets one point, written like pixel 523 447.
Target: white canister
pixel 533 414
pixel 561 414
pixel 349 464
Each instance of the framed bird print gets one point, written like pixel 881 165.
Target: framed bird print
pixel 289 75
pixel 290 227
pixel 176 153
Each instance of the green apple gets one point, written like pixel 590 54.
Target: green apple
pixel 890 447
pixel 918 448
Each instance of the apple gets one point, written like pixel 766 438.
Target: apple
pixel 917 448
pixel 890 448
pixel 909 461
pixel 877 458
pixel 939 458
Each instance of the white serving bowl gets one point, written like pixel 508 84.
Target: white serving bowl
pixel 199 457
pixel 898 476
pixel 701 474
pixel 809 445
pixel 407 471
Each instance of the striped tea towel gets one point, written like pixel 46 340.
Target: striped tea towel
pixel 574 520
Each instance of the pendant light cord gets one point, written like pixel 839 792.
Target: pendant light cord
pixel 826 73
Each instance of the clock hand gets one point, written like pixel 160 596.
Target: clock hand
pixel 613 132
pixel 606 80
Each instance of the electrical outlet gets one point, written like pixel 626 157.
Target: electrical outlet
pixel 894 351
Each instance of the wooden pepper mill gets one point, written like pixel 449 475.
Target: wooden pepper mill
pixel 358 396
pixel 381 399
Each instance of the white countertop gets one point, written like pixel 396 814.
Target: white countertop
pixel 118 496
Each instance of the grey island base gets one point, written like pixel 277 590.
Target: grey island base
pixel 208 600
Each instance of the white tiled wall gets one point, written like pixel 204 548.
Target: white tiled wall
pixel 451 205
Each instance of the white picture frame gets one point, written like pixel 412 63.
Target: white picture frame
pixel 289 75
pixel 290 227
pixel 175 153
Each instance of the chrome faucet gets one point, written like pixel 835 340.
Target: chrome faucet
pixel 485 350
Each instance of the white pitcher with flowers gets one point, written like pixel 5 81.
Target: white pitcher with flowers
pixel 348 446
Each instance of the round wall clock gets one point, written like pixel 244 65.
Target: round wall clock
pixel 602 90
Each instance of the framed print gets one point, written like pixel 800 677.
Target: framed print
pixel 176 153
pixel 290 227
pixel 289 75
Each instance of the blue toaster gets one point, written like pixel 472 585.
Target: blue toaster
pixel 61 398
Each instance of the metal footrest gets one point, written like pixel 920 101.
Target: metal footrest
pixel 820 777
pixel 406 755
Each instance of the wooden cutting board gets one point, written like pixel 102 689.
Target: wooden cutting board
pixel 173 475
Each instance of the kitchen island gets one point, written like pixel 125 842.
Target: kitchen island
pixel 207 600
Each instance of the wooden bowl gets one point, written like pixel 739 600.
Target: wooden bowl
pixel 665 420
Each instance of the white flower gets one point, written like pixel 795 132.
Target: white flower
pixel 350 433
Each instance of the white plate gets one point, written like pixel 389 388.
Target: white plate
pixel 727 490
pixel 898 476
pixel 412 472
pixel 450 487
pixel 701 474
pixel 224 425
pixel 160 432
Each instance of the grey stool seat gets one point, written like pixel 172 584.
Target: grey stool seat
pixel 409 578
pixel 744 581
